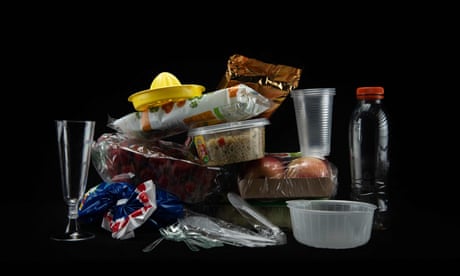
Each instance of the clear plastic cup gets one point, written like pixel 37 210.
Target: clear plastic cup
pixel 313 111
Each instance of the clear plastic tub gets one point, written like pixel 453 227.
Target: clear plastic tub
pixel 228 143
pixel 335 224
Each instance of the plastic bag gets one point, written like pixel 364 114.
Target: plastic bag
pixel 236 103
pixel 171 166
pixel 122 207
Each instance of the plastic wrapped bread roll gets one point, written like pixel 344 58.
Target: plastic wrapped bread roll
pixel 235 103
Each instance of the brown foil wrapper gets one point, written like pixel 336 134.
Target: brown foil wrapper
pixel 273 81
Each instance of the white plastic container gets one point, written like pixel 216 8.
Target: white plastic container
pixel 335 224
pixel 228 143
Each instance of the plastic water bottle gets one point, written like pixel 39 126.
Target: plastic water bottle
pixel 369 148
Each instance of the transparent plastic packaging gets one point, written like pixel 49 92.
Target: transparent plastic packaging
pixel 203 231
pixel 236 103
pixel 228 143
pixel 170 165
pixel 287 175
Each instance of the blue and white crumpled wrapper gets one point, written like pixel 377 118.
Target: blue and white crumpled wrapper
pixel 125 207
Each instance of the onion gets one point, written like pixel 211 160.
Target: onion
pixel 307 167
pixel 267 166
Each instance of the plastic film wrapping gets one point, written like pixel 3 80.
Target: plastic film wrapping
pixel 287 175
pixel 170 165
pixel 235 103
pixel 121 208
pixel 273 81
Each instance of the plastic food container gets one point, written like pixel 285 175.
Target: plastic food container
pixel 287 175
pixel 335 224
pixel 228 143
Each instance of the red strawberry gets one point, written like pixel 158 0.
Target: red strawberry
pixel 180 168
pixel 128 168
pixel 124 157
pixel 163 182
pixel 190 187
pixel 159 163
pixel 139 161
pixel 147 174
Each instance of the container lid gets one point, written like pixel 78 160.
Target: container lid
pixel 312 91
pixel 164 88
pixel 331 205
pixel 228 126
pixel 370 92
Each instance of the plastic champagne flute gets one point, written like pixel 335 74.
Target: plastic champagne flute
pixel 74 140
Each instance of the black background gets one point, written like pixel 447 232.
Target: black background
pixel 77 67
pixel 93 82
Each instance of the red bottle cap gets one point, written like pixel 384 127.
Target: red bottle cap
pixel 369 93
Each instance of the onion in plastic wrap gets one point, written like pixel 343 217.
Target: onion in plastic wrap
pixel 288 175
pixel 170 165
